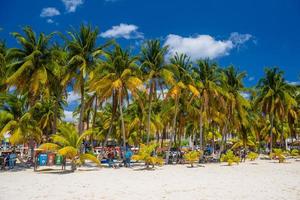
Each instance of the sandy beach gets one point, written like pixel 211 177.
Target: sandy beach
pixel 261 179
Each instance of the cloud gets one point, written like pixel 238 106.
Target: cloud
pixel 246 95
pixel 200 46
pixel 251 78
pixel 50 21
pixel 49 12
pixel 71 5
pixel 295 83
pixel 72 96
pixel 239 39
pixel 204 46
pixel 127 31
pixel 68 116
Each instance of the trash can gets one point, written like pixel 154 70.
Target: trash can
pixel 58 159
pixel 43 159
pixel 51 159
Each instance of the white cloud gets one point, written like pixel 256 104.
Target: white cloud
pixel 200 46
pixel 68 116
pixel 72 96
pixel 295 83
pixel 251 78
pixel 204 46
pixel 71 5
pixel 50 21
pixel 246 95
pixel 49 12
pixel 239 39
pixel 127 31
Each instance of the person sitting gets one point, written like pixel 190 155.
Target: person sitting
pixel 110 157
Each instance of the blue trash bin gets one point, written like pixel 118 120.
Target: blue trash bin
pixel 43 158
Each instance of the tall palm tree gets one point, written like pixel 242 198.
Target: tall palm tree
pixel 59 79
pixel 208 83
pixel 274 97
pixel 236 105
pixel 182 86
pixel 29 70
pixel 154 67
pixel 83 54
pixel 3 66
pixel 115 78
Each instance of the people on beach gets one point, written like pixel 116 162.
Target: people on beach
pixel 128 156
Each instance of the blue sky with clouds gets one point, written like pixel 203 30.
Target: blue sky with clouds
pixel 249 34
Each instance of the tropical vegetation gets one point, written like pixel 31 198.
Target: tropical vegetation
pixel 137 98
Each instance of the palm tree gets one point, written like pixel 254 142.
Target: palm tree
pixel 208 83
pixel 182 85
pixel 3 66
pixel 68 142
pixel 29 70
pixel 236 105
pixel 154 67
pixel 59 79
pixel 83 54
pixel 114 78
pixel 274 97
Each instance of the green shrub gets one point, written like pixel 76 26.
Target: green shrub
pixel 192 156
pixel 145 154
pixel 295 152
pixel 230 158
pixel 252 156
pixel 278 154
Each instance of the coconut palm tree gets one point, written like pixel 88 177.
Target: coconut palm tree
pixel 83 55
pixel 182 85
pixel 274 97
pixel 208 84
pixel 3 65
pixel 115 78
pixel 67 142
pixel 154 68
pixel 236 105
pixel 29 70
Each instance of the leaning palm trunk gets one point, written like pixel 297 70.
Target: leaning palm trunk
pixel 173 134
pixel 73 165
pixel 54 127
pixel 201 132
pixel 223 142
pixel 114 107
pixel 271 133
pixel 149 113
pixel 80 125
pixel 122 122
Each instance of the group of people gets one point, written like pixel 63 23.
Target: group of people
pixel 125 156
pixel 8 159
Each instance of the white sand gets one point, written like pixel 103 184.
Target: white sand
pixel 263 180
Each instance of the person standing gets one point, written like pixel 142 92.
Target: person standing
pixel 128 156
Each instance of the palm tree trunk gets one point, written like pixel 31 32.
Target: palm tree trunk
pixel 223 143
pixel 80 125
pixel 122 121
pixel 173 132
pixel 201 132
pixel 149 112
pixel 271 133
pixel 114 108
pixel 54 126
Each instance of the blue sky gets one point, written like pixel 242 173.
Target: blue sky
pixel 249 34
pixel 271 27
